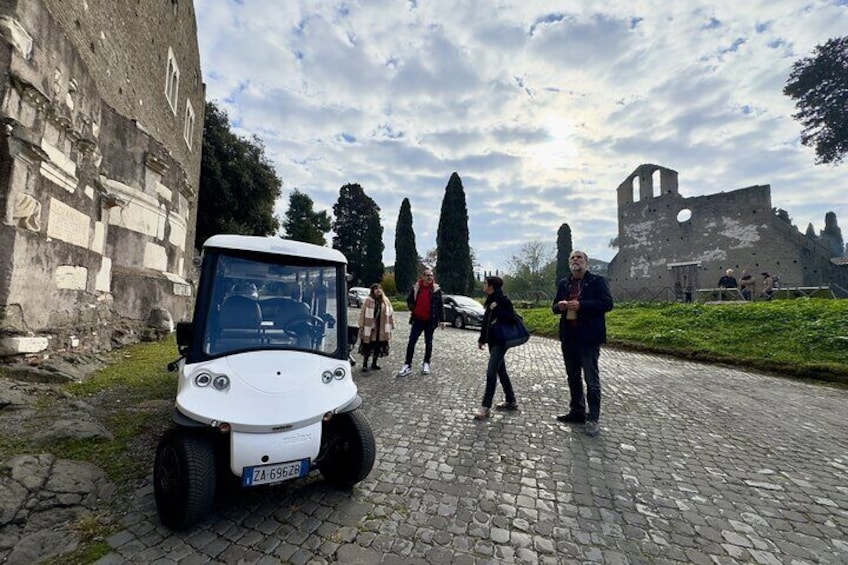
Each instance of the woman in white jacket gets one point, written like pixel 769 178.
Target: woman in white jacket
pixel 376 322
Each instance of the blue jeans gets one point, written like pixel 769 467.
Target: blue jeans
pixel 583 359
pixel 497 370
pixel 419 326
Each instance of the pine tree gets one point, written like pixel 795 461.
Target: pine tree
pixel 453 270
pixel 359 235
pixel 819 86
pixel 302 223
pixel 238 185
pixel 564 249
pixel 406 254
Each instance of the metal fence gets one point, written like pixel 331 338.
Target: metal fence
pixel 713 295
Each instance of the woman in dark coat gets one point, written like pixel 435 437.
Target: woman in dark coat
pixel 499 310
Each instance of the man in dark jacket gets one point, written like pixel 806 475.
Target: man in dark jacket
pixel 426 311
pixel 582 301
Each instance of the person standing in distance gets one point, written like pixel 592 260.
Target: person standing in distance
pixel 582 301
pixel 426 311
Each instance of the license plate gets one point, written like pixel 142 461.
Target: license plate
pixel 274 473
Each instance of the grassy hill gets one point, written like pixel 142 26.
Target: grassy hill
pixel 803 337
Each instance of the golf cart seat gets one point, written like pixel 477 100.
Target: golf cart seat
pixel 288 310
pixel 240 313
pixel 239 323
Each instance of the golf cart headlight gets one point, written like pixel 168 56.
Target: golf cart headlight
pixel 339 373
pixel 326 376
pixel 202 379
pixel 221 382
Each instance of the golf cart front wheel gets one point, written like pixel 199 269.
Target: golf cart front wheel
pixel 347 449
pixel 183 478
pixel 459 321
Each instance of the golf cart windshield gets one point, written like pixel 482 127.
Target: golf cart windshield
pixel 264 301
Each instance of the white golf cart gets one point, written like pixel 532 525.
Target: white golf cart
pixel 264 388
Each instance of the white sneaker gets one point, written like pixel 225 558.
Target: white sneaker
pixel 425 369
pixel 404 371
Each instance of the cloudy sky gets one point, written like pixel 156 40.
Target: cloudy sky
pixel 543 108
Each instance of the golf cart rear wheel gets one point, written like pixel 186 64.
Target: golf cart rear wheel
pixel 347 449
pixel 459 321
pixel 183 478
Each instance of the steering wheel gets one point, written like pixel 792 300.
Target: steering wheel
pixel 304 324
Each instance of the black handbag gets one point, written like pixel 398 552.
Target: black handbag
pixel 512 334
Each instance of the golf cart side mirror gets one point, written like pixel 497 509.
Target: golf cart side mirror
pixel 184 331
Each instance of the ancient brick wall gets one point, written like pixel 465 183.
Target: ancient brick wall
pixel 98 170
pixel 661 232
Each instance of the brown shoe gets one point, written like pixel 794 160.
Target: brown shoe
pixel 507 406
pixel 482 413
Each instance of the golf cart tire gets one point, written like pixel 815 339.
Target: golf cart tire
pixel 184 478
pixel 347 450
pixel 459 322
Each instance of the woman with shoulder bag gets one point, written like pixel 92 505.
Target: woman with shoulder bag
pixel 499 310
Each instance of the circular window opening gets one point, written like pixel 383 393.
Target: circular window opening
pixel 684 215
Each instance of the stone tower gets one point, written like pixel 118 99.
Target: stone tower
pixel 671 245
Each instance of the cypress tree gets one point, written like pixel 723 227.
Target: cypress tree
pixel 406 254
pixel 811 231
pixel 831 235
pixel 564 248
pixel 454 270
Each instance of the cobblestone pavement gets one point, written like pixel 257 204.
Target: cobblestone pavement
pixel 695 464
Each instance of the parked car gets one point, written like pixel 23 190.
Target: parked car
pixel 461 311
pixel 357 295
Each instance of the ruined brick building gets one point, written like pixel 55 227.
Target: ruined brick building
pixel 672 244
pixel 102 107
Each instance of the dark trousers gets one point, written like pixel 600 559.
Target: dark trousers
pixel 419 326
pixel 497 371
pixel 583 359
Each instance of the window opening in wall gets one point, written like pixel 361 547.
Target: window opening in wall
pixel 188 127
pixel 684 215
pixel 634 191
pixel 172 81
pixel 656 184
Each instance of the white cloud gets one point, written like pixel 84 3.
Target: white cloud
pixel 541 111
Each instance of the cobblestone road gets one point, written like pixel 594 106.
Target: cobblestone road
pixel 695 464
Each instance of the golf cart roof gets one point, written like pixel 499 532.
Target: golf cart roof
pixel 276 246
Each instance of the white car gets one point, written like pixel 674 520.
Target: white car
pixel 356 296
pixel 265 389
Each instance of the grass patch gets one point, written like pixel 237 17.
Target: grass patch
pixel 125 394
pixel 806 337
